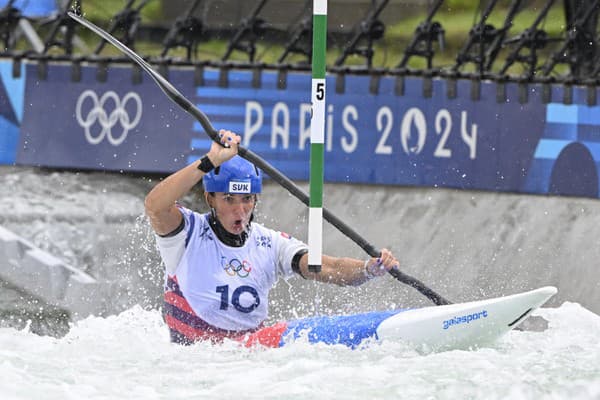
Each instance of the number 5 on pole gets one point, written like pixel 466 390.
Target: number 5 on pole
pixel 317 136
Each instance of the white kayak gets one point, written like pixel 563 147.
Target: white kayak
pixel 463 325
pixel 452 326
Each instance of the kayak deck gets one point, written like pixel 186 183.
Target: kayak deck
pixel 461 325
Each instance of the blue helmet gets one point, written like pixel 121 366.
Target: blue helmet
pixel 234 176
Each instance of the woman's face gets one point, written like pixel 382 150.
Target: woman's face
pixel 233 210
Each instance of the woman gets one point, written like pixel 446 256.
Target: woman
pixel 220 266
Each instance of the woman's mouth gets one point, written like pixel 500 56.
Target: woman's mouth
pixel 238 225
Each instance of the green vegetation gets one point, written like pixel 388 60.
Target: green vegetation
pixel 456 16
pixel 104 10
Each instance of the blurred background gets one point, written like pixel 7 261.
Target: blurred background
pixel 526 38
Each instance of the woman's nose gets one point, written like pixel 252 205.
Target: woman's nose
pixel 239 208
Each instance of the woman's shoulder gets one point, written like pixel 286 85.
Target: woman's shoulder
pixel 194 219
pixel 261 232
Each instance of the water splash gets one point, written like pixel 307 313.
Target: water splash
pixel 130 353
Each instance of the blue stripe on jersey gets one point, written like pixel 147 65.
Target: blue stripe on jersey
pixel 188 319
pixel 179 338
pixel 189 232
pixel 173 286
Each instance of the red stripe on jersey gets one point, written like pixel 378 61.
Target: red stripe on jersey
pixel 186 330
pixel 179 302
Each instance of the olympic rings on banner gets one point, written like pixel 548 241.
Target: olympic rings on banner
pixel 98 114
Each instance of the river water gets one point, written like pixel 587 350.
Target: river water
pixel 467 246
pixel 128 356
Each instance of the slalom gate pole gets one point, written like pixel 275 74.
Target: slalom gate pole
pixel 317 136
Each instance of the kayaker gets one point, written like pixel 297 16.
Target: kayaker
pixel 220 266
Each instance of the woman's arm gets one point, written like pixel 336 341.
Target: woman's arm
pixel 160 202
pixel 346 271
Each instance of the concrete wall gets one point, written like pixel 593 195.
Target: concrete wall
pixel 44 276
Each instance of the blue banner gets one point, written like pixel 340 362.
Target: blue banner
pixel 12 92
pixel 31 8
pixel 112 125
pixel 414 131
pixel 382 138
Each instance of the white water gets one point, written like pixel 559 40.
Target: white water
pixel 93 221
pixel 129 356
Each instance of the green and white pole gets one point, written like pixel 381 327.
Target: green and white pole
pixel 317 136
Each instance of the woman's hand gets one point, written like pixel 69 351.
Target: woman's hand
pixel 378 266
pixel 218 153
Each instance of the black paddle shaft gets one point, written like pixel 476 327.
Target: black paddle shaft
pixel 275 174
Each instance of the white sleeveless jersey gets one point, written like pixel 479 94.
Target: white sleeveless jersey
pixel 228 287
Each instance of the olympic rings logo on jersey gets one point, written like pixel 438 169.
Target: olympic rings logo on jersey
pixel 107 120
pixel 236 267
